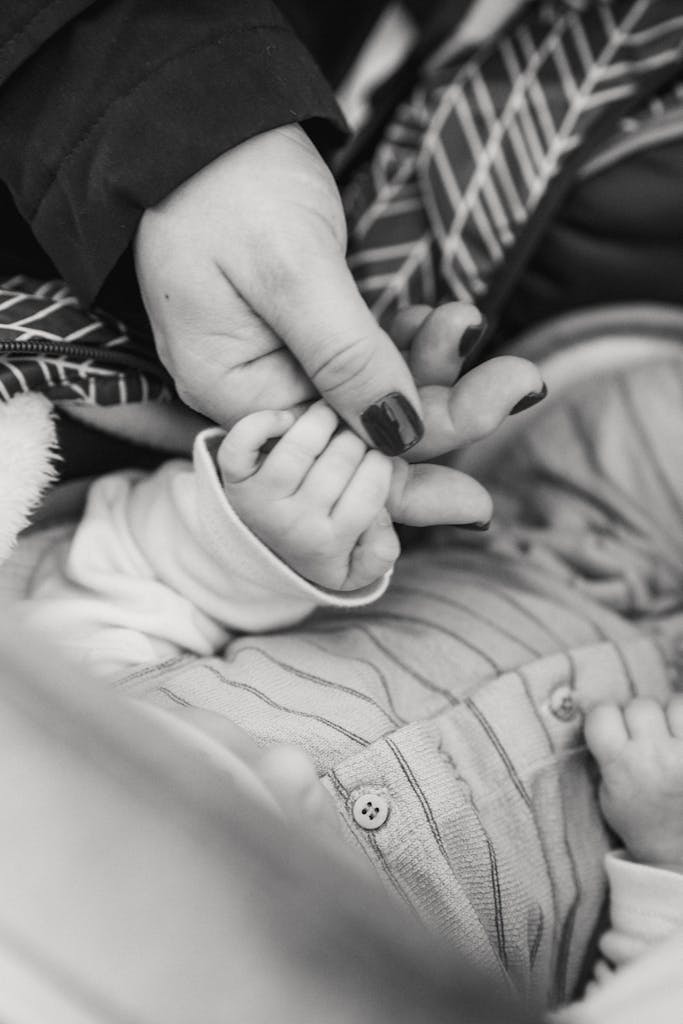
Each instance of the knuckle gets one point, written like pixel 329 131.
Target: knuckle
pixel 453 316
pixel 382 465
pixel 381 553
pixel 276 479
pixel 472 418
pixel 389 545
pixel 349 448
pixel 346 363
pixel 230 448
pixel 643 706
pixel 377 477
pixel 186 392
pixel 284 470
pixel 487 419
pixel 287 259
pixel 295 453
pixel 280 271
pixel 321 418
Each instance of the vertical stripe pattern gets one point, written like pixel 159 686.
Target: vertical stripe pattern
pixel 460 695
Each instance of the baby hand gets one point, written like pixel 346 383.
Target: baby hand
pixel 639 751
pixel 317 499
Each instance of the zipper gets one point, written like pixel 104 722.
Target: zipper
pixel 44 347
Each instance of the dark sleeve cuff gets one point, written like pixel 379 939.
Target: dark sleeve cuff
pixel 192 106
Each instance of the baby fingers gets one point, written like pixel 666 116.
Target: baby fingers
pixel 287 465
pixel 605 732
pixel 334 470
pixel 645 719
pixel 374 554
pixel 365 496
pixel 240 455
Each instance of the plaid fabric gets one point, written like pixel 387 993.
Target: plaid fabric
pixel 48 343
pixel 463 167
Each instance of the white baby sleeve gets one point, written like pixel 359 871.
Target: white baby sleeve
pixel 646 906
pixel 159 564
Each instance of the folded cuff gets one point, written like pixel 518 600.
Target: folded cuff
pixel 225 531
pixel 646 902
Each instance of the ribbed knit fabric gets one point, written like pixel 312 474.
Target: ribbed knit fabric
pixel 459 697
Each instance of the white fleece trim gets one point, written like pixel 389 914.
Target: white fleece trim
pixel 28 447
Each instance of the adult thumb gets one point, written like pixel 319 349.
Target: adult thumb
pixel 322 318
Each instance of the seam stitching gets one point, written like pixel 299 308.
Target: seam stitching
pixel 68 155
pixel 38 16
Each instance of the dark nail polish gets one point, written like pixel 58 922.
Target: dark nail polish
pixel 532 399
pixel 393 424
pixel 481 527
pixel 471 338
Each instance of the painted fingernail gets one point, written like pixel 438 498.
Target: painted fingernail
pixel 481 527
pixel 393 424
pixel 533 398
pixel 471 338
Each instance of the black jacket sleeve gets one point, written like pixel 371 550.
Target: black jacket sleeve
pixel 105 107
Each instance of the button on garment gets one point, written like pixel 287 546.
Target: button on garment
pixel 370 810
pixel 563 704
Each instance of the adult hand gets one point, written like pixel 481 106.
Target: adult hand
pixel 242 270
pixel 244 277
pixel 455 415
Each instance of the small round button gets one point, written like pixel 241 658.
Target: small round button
pixel 370 810
pixel 563 704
